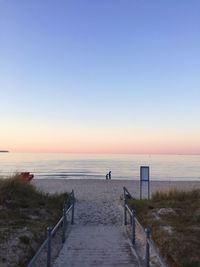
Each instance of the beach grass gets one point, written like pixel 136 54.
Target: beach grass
pixel 174 219
pixel 25 215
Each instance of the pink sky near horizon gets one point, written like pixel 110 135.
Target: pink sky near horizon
pixel 135 139
pixel 94 150
pixel 115 145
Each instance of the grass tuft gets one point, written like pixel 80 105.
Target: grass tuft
pixel 174 218
pixel 25 215
pixel 177 195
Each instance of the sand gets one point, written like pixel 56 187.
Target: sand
pixel 98 237
pixel 93 186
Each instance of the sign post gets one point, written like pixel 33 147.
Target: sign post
pixel 144 178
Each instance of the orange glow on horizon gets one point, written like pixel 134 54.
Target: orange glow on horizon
pixel 115 141
pixel 112 148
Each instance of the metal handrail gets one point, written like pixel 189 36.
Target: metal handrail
pixel 127 193
pixel 139 224
pixel 54 230
pixel 149 242
pixel 38 253
pixel 51 232
pixel 128 209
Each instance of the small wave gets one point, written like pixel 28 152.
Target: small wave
pixel 68 175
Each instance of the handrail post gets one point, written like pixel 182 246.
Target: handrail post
pixel 147 256
pixel 125 212
pixel 133 226
pixel 49 229
pixel 64 224
pixel 131 218
pixel 72 218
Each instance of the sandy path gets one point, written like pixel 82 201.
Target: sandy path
pixel 98 237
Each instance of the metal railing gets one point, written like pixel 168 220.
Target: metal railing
pixel 47 244
pixel 148 243
pixel 127 194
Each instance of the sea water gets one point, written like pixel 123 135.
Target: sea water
pixel 82 166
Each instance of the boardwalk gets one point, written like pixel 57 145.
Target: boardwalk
pixel 98 237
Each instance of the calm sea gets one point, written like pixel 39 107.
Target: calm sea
pixel 73 166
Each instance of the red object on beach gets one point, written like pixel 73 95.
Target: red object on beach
pixel 26 176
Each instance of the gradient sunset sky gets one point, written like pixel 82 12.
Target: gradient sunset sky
pixel 100 76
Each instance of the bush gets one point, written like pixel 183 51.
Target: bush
pixel 181 245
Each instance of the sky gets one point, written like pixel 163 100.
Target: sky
pixel 103 76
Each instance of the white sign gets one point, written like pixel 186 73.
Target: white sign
pixel 144 173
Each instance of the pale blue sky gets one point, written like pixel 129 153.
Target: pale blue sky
pixel 123 68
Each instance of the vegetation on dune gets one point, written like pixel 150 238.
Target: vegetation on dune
pixel 25 215
pixel 174 219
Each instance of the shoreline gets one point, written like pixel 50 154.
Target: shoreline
pixel 79 178
pixel 125 180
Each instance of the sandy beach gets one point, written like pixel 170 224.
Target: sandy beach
pixel 91 188
pixel 98 234
pixel 104 196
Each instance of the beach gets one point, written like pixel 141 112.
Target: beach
pixel 110 189
pixel 104 196
pixel 98 234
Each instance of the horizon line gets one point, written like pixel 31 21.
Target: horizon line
pixel 107 153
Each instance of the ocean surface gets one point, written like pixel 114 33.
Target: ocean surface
pixel 82 166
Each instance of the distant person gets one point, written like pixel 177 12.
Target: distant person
pixel 109 174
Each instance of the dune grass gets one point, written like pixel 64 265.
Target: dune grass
pixel 174 219
pixel 25 215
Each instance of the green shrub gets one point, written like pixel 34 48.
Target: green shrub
pixel 24 208
pixel 181 246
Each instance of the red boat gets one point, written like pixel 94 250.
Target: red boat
pixel 26 176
